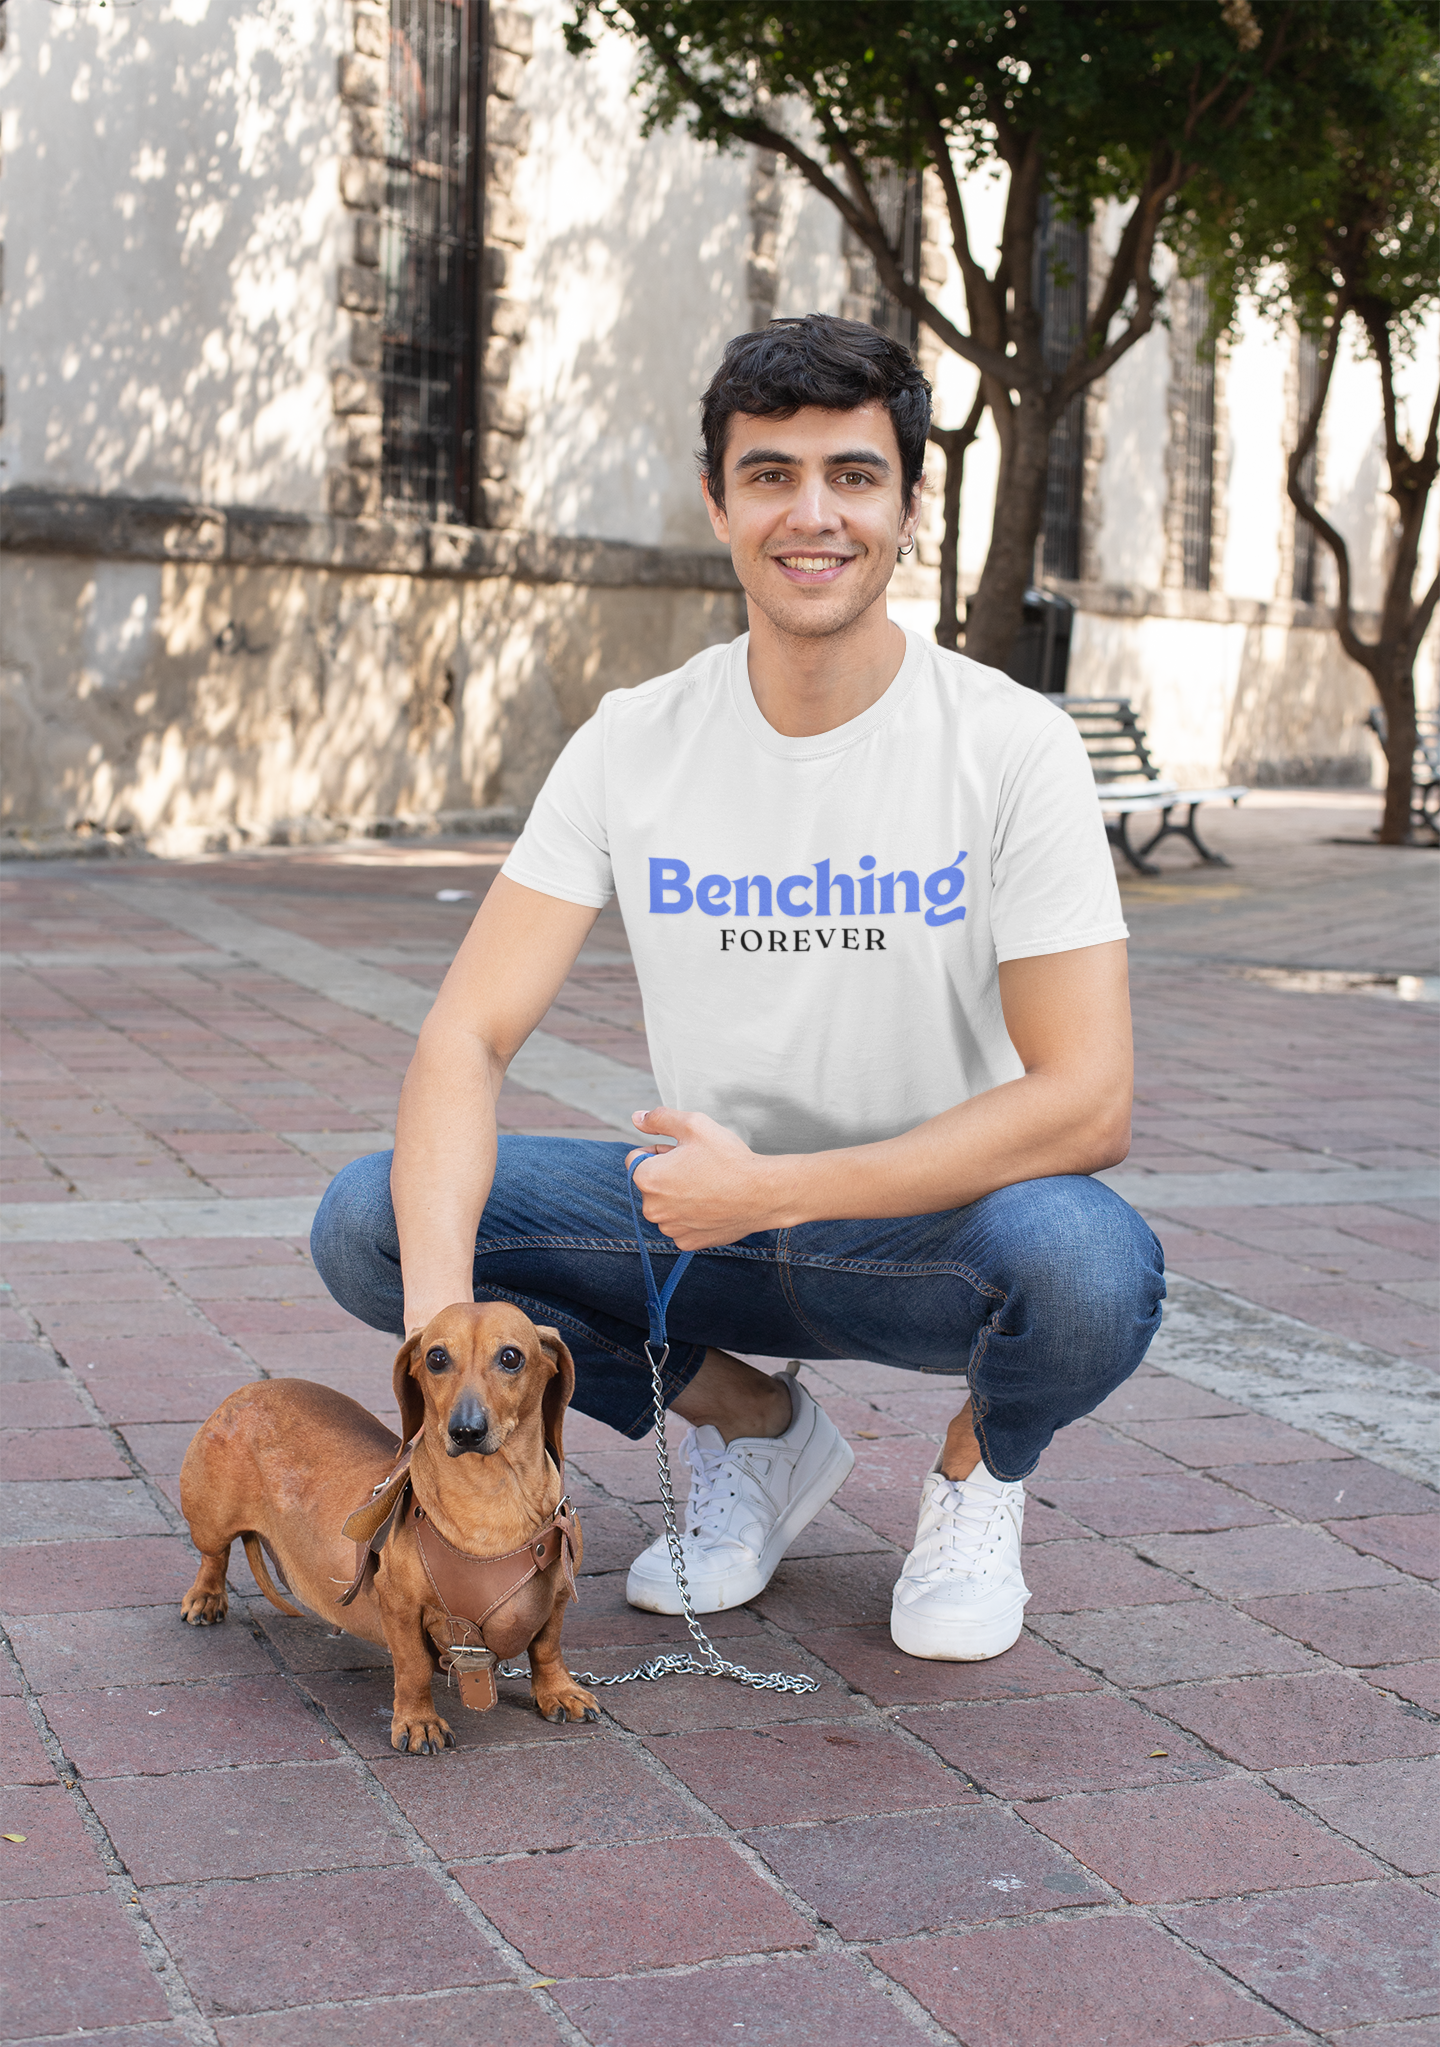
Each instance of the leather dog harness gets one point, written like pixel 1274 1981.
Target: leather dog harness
pixel 472 1590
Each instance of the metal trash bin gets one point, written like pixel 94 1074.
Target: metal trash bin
pixel 1040 658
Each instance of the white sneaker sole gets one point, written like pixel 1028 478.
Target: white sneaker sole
pixel 956 1641
pixel 662 1594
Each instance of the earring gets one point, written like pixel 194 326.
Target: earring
pixel 908 548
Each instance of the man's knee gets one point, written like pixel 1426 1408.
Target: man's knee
pixel 1080 1255
pixel 354 1244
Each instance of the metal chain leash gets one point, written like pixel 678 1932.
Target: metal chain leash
pixel 709 1662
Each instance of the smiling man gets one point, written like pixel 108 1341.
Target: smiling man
pixel 878 936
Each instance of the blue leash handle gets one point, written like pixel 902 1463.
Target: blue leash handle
pixel 657 1298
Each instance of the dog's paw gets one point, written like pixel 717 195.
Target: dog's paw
pixel 204 1609
pixel 420 1734
pixel 564 1700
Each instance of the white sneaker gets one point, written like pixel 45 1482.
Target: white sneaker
pixel 748 1501
pixel 961 1597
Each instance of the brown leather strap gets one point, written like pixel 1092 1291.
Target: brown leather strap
pixel 369 1526
pixel 367 1521
pixel 470 1588
pixel 367 1553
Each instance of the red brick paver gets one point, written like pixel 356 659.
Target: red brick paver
pixel 1195 1804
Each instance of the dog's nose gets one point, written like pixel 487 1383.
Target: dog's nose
pixel 469 1425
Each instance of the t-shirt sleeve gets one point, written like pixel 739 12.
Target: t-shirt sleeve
pixel 1053 878
pixel 564 849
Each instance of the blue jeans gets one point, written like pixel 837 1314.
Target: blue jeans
pixel 1043 1297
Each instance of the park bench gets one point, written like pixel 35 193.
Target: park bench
pixel 1129 784
pixel 1425 781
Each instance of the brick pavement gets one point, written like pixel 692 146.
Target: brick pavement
pixel 1195 1804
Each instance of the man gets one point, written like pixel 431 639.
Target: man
pixel 877 932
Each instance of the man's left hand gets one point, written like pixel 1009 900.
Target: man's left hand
pixel 708 1188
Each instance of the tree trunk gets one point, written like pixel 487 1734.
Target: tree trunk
pixel 947 626
pixel 953 441
pixel 1394 679
pixel 996 609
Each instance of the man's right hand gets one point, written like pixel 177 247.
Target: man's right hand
pixel 508 971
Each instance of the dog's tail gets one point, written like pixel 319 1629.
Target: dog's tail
pixel 256 1556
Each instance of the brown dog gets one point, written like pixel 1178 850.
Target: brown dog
pixel 286 1464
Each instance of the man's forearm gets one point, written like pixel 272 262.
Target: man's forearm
pixel 1069 1020
pixel 1026 1129
pixel 443 1167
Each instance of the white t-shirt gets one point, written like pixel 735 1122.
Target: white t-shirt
pixel 816 923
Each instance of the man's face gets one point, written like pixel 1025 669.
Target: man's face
pixel 813 516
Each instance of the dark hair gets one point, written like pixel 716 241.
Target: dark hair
pixel 815 360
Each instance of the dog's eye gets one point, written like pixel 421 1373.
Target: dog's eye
pixel 510 1359
pixel 438 1358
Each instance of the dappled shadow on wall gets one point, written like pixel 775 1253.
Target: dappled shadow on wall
pixel 176 176
pixel 634 288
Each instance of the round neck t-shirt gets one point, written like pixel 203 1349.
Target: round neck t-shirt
pixel 817 923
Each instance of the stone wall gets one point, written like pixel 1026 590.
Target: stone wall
pixel 229 680
pixel 1229 689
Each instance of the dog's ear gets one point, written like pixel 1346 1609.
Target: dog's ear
pixel 408 1397
pixel 557 1393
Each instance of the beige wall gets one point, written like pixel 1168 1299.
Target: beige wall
pixel 200 704
pixel 1260 702
pixel 172 225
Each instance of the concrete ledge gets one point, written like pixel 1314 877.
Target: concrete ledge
pixel 134 529
pixel 1207 607
pixel 163 529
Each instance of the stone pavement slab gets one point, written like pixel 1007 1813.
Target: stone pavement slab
pixel 448 2018
pixel 296 1940
pixel 1393 1809
pixel 608 1911
pixel 1086 1982
pixel 1192 1805
pixel 1326 1957
pixel 1177 1841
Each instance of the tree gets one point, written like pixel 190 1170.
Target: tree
pixel 1342 232
pixel 1129 100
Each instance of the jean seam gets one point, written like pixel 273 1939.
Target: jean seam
pixel 784 1268
pixel 780 1255
pixel 619 1246
pixel 889 1269
pixel 977 1413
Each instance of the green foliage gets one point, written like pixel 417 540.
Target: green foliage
pixel 1337 191
pixel 1100 88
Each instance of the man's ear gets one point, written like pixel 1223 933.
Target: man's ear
pixel 408 1397
pixel 557 1393
pixel 917 504
pixel 720 524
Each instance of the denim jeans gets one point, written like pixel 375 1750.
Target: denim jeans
pixel 1043 1297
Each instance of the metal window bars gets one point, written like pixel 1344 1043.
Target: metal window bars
pixel 1192 373
pixel 1061 290
pixel 897 196
pixel 430 255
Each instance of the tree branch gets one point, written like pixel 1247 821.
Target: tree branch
pixel 1421 617
pixel 986 322
pixel 1361 651
pixel 751 128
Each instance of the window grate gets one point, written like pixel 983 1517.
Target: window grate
pixel 1061 289
pixel 429 255
pixel 897 196
pixel 1192 371
pixel 898 203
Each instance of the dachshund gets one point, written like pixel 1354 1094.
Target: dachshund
pixel 455 1542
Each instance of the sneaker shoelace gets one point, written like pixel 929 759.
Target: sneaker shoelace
pixel 716 1480
pixel 704 1479
pixel 958 1541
